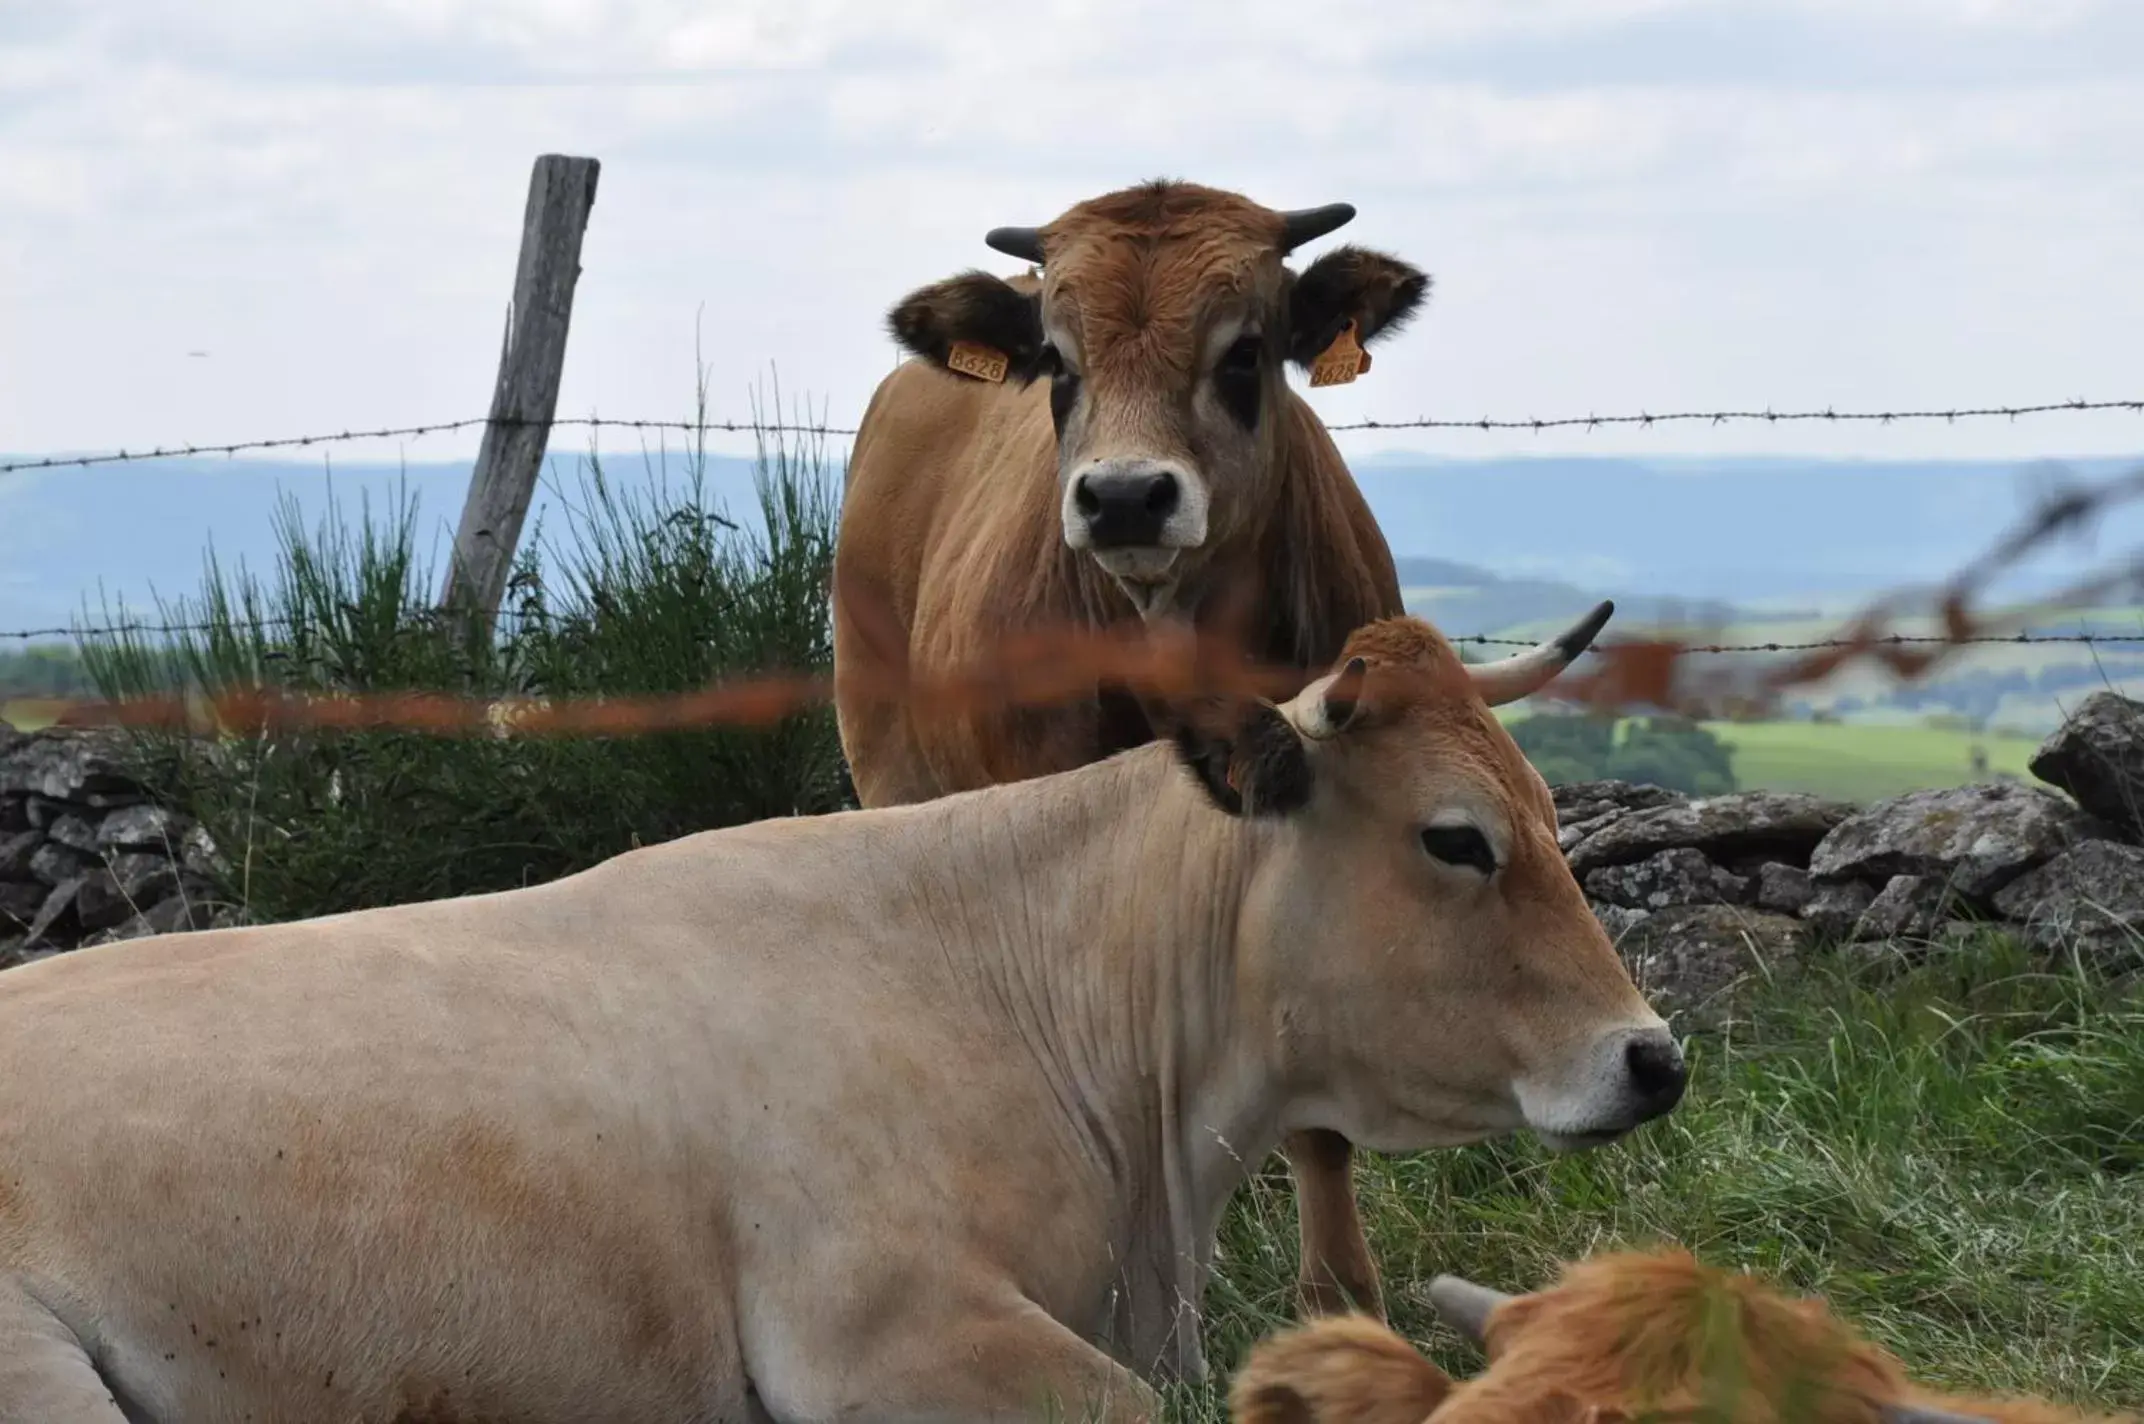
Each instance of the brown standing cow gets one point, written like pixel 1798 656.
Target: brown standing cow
pixel 1129 449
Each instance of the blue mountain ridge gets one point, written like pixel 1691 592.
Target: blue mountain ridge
pixel 1500 540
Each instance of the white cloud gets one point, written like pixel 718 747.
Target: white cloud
pixel 1636 204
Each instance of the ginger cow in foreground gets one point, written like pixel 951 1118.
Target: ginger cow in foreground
pixel 1630 1337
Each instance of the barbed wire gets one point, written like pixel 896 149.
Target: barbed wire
pixel 108 630
pixel 694 427
pixel 1723 417
pixel 444 427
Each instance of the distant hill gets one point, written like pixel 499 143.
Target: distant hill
pixel 1465 599
pixel 1488 542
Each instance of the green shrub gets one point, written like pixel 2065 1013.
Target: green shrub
pixel 660 593
pixel 1658 751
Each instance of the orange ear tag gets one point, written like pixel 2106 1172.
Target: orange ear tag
pixel 985 363
pixel 1340 362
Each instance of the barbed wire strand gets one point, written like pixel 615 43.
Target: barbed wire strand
pixel 597 423
pixel 110 630
pixel 1174 665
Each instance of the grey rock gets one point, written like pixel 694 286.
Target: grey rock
pixel 55 919
pixel 1619 920
pixel 1694 962
pixel 133 881
pixel 15 853
pixel 198 855
pixel 55 864
pixel 1571 834
pixel 1834 912
pixel 1908 907
pixel 1680 876
pixel 98 904
pixel 144 875
pixel 2097 756
pixel 13 948
pixel 14 814
pixel 64 764
pixel 1787 889
pixel 1976 838
pixel 1630 795
pixel 19 904
pixel 141 827
pixel 73 832
pixel 2090 899
pixel 176 915
pixel 1781 826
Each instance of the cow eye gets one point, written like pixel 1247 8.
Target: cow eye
pixel 1243 355
pixel 1460 845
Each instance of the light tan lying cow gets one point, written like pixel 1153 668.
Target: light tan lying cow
pixel 918 1113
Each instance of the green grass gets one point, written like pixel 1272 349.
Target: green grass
pixel 1950 1153
pixel 660 593
pixel 1861 761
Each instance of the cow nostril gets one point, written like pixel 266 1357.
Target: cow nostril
pixel 1085 499
pixel 1161 495
pixel 1657 1071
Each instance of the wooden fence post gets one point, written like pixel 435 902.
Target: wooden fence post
pixel 561 192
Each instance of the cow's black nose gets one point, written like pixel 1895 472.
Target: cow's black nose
pixel 1126 507
pixel 1657 1072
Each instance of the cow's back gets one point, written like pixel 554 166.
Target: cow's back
pixel 306 1177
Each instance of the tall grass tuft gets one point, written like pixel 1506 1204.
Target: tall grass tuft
pixel 657 592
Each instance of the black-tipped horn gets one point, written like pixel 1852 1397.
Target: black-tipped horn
pixel 1464 1306
pixel 1302 224
pixel 1024 243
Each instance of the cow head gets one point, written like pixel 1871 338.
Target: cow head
pixel 1162 319
pixel 1435 974
pixel 1632 1334
pixel 1620 1338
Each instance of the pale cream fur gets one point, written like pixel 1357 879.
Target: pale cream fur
pixel 889 1114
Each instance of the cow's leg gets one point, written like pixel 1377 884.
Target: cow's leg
pixel 45 1374
pixel 1334 1273
pixel 1002 1360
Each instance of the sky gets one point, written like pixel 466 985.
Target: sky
pixel 1625 204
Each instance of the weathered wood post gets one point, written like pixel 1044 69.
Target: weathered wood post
pixel 561 192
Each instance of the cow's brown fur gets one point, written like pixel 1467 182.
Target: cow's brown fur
pixel 1621 1336
pixel 951 536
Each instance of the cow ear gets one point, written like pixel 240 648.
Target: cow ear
pixel 1376 292
pixel 973 309
pixel 1258 766
pixel 1330 705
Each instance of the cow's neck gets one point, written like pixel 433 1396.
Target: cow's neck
pixel 1114 949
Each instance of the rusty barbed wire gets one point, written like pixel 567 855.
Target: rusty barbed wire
pixel 444 427
pixel 596 423
pixel 1042 666
pixel 106 630
pixel 1165 663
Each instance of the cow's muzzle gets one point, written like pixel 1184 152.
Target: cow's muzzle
pixel 1133 504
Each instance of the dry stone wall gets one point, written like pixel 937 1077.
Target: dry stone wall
pixel 1702 894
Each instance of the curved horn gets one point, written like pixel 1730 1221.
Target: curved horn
pixel 1024 243
pixel 1926 1414
pixel 1509 679
pixel 1302 224
pixel 1465 1306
